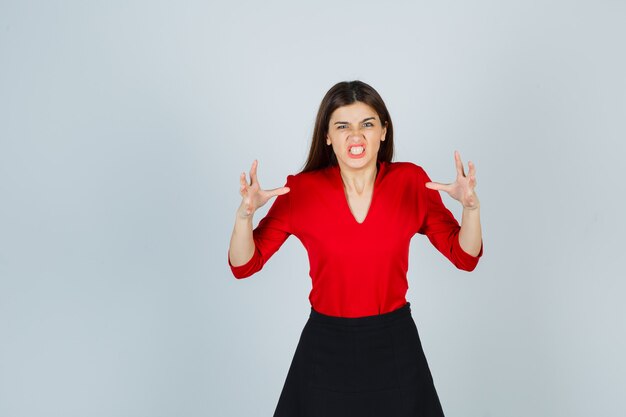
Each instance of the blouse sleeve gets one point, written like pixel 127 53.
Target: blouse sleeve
pixel 442 229
pixel 268 236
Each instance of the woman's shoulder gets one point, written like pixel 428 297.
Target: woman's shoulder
pixel 318 176
pixel 403 168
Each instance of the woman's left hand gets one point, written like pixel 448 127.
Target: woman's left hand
pixel 462 189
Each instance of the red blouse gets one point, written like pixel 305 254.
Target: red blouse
pixel 358 269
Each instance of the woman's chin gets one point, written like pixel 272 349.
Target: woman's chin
pixel 358 163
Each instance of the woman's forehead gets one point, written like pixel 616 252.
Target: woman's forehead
pixel 353 112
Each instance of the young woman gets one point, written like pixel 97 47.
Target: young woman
pixel 355 212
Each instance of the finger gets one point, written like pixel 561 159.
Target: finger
pixel 472 169
pixel 437 186
pixel 253 177
pixel 242 183
pixel 459 165
pixel 278 191
pixel 472 182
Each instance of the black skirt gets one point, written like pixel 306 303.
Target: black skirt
pixel 370 366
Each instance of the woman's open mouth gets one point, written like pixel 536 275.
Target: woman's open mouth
pixel 356 151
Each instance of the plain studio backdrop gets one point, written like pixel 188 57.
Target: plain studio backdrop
pixel 124 127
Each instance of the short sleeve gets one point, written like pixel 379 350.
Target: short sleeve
pixel 269 235
pixel 442 229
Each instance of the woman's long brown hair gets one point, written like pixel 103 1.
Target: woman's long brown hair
pixel 342 94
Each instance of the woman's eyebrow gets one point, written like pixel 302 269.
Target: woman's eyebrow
pixel 364 120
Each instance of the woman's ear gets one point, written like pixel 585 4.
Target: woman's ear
pixel 327 140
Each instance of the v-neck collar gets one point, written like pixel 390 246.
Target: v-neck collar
pixel 382 165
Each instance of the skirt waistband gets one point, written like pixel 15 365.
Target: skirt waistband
pixel 374 320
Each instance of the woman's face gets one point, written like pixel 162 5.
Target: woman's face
pixel 355 132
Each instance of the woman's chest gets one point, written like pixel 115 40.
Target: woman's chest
pixel 359 205
pixel 335 218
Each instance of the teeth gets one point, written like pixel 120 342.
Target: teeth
pixel 356 150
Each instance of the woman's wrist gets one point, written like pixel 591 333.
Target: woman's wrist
pixel 243 214
pixel 474 203
pixel 472 208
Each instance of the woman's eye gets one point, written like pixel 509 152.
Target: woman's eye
pixel 341 126
pixel 368 124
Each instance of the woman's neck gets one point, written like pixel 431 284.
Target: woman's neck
pixel 360 180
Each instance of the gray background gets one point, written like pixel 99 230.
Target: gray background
pixel 124 126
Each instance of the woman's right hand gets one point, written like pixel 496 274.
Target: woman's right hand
pixel 252 194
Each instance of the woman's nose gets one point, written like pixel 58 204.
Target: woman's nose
pixel 356 132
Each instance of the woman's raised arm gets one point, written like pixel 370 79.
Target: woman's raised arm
pixel 462 190
pixel 241 243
